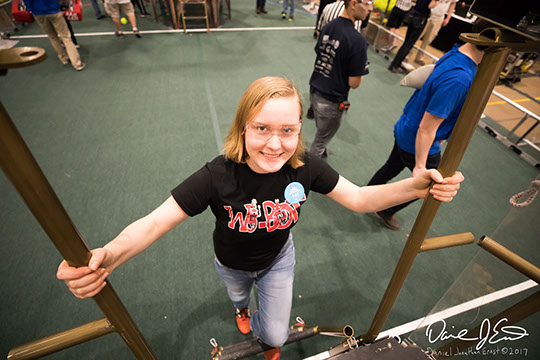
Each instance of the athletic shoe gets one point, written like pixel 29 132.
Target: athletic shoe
pixel 242 320
pixel 119 34
pixel 310 114
pixel 263 10
pixel 283 15
pixel 388 220
pixel 420 62
pixel 272 354
pixel 396 70
pixel 80 67
pixel 291 18
pixel 136 32
pixel 100 17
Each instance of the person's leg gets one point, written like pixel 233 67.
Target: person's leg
pixel 97 10
pixel 275 287
pixel 435 27
pixel 114 12
pixel 284 9
pixel 327 120
pixel 391 168
pixel 130 13
pixel 425 36
pixel 46 25
pixel 71 33
pixel 432 162
pixel 291 10
pixel 238 284
pixel 60 26
pixel 414 30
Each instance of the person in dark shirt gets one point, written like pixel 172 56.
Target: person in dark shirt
pixel 417 21
pixel 255 190
pixel 340 64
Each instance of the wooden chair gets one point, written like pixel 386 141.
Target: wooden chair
pixel 184 17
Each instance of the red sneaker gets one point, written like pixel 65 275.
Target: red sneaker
pixel 242 320
pixel 272 354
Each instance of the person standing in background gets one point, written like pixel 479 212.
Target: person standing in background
pixel 440 16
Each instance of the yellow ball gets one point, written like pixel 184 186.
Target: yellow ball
pixel 123 20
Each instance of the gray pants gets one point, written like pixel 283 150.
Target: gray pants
pixel 328 118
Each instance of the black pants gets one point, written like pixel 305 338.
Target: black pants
pixel 414 30
pixel 399 160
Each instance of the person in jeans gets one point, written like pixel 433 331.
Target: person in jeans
pixel 340 64
pixel 51 20
pixel 255 190
pixel 417 21
pixel 428 120
pixel 288 4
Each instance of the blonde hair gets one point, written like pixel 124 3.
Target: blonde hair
pixel 256 95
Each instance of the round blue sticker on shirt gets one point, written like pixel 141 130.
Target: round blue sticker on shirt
pixel 294 193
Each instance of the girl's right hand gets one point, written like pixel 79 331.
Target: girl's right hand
pixel 87 281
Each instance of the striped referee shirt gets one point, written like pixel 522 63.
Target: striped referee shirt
pixel 331 12
pixel 404 5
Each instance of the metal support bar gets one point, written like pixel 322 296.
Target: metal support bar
pixel 442 242
pixel 484 82
pixel 510 316
pixel 515 261
pixel 61 341
pixel 22 169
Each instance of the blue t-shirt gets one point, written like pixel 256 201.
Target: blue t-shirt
pixel 341 52
pixel 443 95
pixel 42 7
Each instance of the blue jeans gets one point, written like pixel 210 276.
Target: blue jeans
pixel 286 4
pixel 327 120
pixel 97 10
pixel 274 284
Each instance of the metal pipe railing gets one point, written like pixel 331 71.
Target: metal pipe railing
pixel 54 343
pixel 443 242
pixel 22 169
pixel 510 258
pixel 484 82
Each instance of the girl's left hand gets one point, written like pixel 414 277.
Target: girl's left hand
pixel 444 190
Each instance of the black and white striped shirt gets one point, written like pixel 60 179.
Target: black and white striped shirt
pixel 331 12
pixel 404 5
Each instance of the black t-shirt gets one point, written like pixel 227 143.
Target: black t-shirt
pixel 341 53
pixel 253 219
pixel 421 8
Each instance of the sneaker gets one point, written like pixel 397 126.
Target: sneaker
pixel 137 34
pixel 242 320
pixel 263 10
pixel 291 18
pixel 396 70
pixel 388 220
pixel 80 67
pixel 310 114
pixel 272 354
pixel 420 62
pixel 100 17
pixel 283 15
pixel 119 34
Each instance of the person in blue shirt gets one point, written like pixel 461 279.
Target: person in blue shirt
pixel 428 120
pixel 49 17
